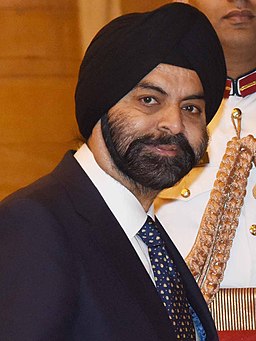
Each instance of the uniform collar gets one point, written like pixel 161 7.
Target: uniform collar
pixel 242 86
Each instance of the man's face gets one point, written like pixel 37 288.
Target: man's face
pixel 158 129
pixel 233 20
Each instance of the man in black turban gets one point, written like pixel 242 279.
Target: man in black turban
pixel 82 255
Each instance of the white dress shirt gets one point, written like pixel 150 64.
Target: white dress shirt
pixel 123 204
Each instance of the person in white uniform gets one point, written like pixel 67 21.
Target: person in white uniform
pixel 180 208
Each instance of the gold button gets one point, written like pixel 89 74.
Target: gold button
pixel 253 230
pixel 185 193
pixel 236 113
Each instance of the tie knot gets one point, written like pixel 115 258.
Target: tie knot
pixel 150 234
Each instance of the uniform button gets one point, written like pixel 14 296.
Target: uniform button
pixel 253 230
pixel 185 193
pixel 236 113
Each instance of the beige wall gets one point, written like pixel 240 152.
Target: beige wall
pixel 41 45
pixel 40 54
pixel 95 14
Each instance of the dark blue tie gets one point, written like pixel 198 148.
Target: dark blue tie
pixel 168 282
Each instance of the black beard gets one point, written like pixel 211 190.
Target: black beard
pixel 149 170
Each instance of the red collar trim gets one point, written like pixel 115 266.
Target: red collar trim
pixel 242 86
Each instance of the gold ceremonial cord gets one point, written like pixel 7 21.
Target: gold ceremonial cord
pixel 209 255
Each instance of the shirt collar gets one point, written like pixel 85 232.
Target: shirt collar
pixel 242 86
pixel 122 203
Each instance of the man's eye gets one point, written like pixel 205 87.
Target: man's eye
pixel 193 109
pixel 148 100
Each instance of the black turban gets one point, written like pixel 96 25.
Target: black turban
pixel 129 47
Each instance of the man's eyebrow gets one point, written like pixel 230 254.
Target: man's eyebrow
pixel 195 96
pixel 150 86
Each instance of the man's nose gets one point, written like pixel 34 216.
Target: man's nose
pixel 171 121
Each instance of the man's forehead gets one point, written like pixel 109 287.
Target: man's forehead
pixel 170 80
pixel 170 71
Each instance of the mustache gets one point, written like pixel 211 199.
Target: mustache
pixel 179 140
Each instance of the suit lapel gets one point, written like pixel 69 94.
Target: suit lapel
pixel 115 246
pixel 194 294
pixel 131 272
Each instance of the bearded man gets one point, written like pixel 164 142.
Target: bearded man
pixel 82 255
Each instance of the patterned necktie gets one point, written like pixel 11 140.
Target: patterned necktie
pixel 168 282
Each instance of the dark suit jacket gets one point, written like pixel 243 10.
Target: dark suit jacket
pixel 69 273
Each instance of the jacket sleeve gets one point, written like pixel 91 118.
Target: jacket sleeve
pixel 37 281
